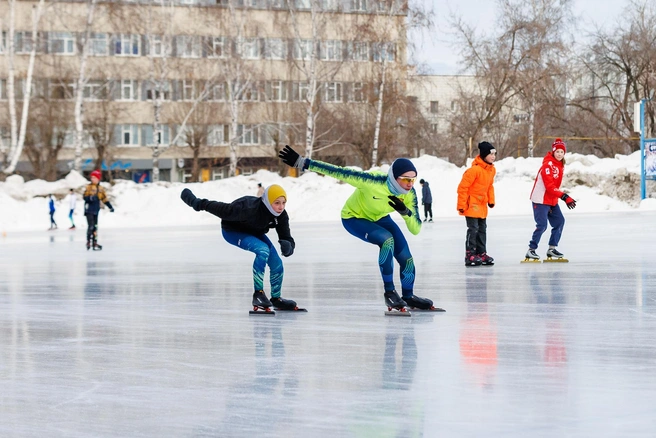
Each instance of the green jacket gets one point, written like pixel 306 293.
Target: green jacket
pixel 370 200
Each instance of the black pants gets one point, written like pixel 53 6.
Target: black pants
pixel 476 235
pixel 92 230
pixel 428 209
pixel 53 224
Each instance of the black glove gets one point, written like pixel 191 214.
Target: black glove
pixel 286 248
pixel 291 158
pixel 190 199
pixel 462 211
pixel 571 203
pixel 490 205
pixel 111 209
pixel 399 206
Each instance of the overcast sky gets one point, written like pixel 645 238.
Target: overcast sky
pixel 435 50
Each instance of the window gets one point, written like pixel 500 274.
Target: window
pixel 333 92
pixel 470 106
pixel 161 137
pixel 3 89
pixel 300 91
pixel 249 92
pixel 303 4
pixel 218 92
pixel 359 5
pixel 248 134
pixel 127 45
pixel 62 43
pixel 162 91
pixel 159 45
pixel 279 4
pixel 331 50
pixel 188 46
pixel 61 90
pixel 94 90
pixel 357 92
pixel 216 135
pixel 3 41
pixel 303 49
pixel 433 128
pixel 23 42
pixel 98 44
pixel 249 48
pixel 383 51
pixel 453 105
pixel 359 51
pixel 128 89
pixel 276 91
pixel 331 5
pixel 275 48
pixel 128 135
pixel 218 47
pixel 188 90
pixel 434 106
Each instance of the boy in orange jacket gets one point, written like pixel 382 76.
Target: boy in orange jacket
pixel 475 195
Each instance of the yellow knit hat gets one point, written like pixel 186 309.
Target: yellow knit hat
pixel 273 192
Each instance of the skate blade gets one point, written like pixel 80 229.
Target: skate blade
pixel 432 309
pixel 555 260
pixel 527 260
pixel 298 309
pixel 262 311
pixel 398 312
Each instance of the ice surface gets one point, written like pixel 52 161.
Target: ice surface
pixel 151 337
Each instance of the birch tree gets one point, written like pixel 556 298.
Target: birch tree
pixel 18 132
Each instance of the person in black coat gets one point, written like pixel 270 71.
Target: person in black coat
pixel 426 200
pixel 244 223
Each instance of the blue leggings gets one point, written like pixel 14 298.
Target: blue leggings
pixel 391 241
pixel 543 213
pixel 265 254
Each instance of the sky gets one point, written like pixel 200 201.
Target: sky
pixel 310 198
pixel 436 52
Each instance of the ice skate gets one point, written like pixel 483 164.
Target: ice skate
pixel 418 304
pixel 283 304
pixel 395 305
pixel 97 247
pixel 555 256
pixel 531 257
pixel 472 259
pixel 88 245
pixel 261 304
pixel 486 260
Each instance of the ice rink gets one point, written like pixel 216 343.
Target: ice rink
pixel 151 337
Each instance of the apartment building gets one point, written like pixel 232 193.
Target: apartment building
pixel 194 81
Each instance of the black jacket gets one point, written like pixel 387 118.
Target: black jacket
pixel 249 215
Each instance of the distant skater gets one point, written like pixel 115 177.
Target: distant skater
pixel 51 207
pixel 94 194
pixel 426 200
pixel 545 194
pixel 366 215
pixel 244 224
pixel 72 202
pixel 475 195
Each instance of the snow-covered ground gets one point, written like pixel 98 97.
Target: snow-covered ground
pixel 598 185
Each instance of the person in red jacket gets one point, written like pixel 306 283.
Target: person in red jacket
pixel 475 195
pixel 545 194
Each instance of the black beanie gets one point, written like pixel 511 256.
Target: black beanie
pixel 401 166
pixel 485 149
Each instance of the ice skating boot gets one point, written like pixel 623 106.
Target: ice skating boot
pixel 88 245
pixel 553 255
pixel 472 259
pixel 422 304
pixel 486 259
pixel 531 257
pixel 280 303
pixel 395 305
pixel 96 247
pixel 261 304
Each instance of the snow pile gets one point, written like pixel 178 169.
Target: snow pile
pixel 609 184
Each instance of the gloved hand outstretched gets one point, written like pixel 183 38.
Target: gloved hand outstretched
pixel 190 199
pixel 399 206
pixel 571 203
pixel 490 205
pixel 286 248
pixel 291 158
pixel 111 209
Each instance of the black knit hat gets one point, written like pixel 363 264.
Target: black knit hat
pixel 421 181
pixel 401 166
pixel 486 148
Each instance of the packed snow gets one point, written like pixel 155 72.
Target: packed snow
pixel 597 184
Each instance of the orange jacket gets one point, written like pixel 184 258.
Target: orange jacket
pixel 475 190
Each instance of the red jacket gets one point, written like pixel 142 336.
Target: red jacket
pixel 475 190
pixel 546 189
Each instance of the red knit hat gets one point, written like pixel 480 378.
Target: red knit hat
pixel 97 174
pixel 558 144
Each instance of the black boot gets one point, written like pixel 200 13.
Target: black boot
pixel 472 259
pixel 282 304
pixel 418 302
pixel 260 300
pixel 393 300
